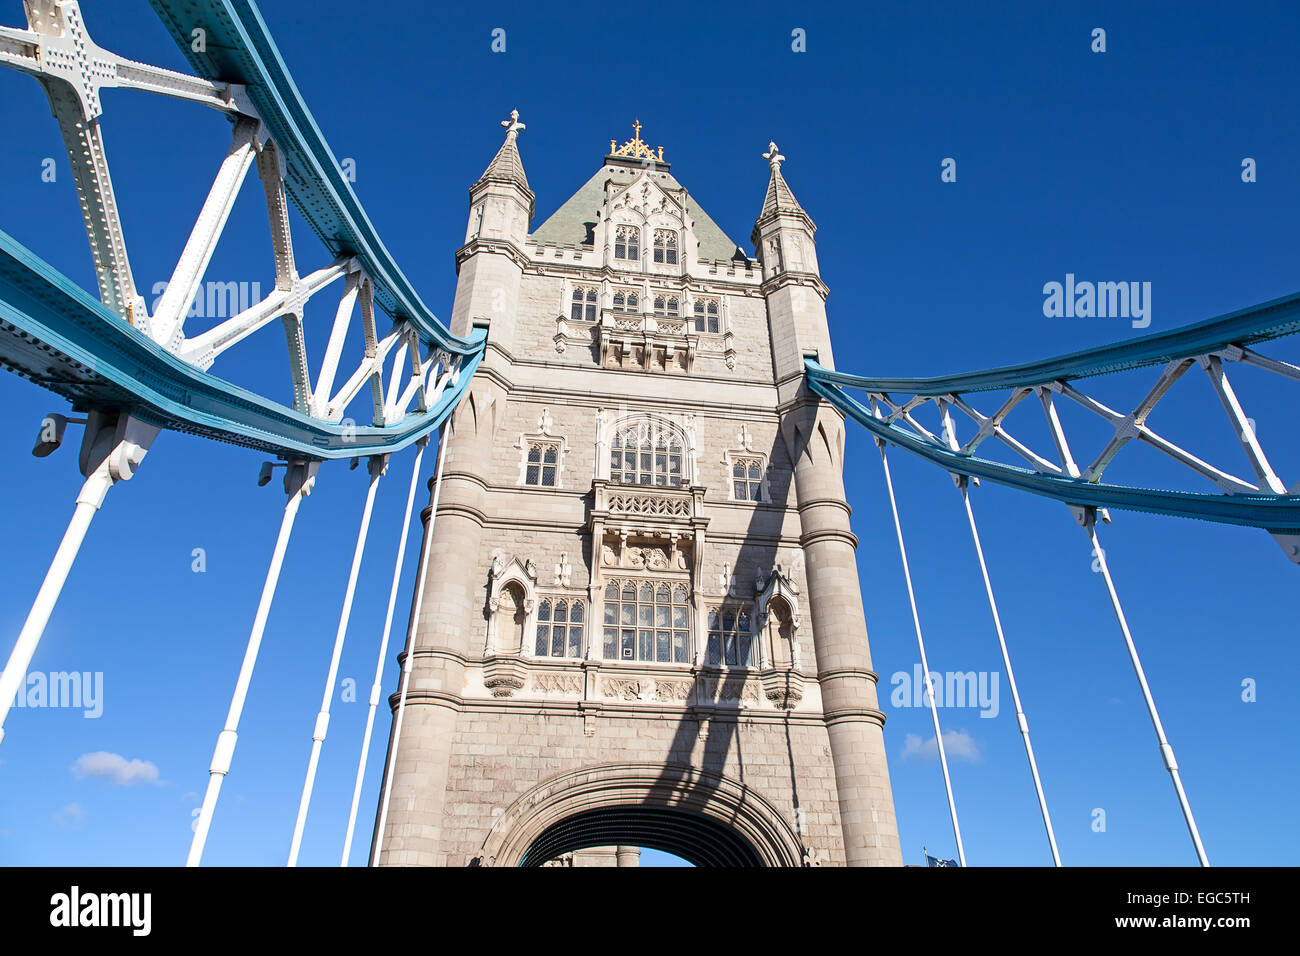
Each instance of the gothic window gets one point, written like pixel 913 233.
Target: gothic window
pixel 627 243
pixel 542 464
pixel 559 628
pixel 647 621
pixel 747 479
pixel 584 305
pixel 666 306
pixel 625 302
pixel 706 315
pixel 665 246
pixel 641 454
pixel 731 638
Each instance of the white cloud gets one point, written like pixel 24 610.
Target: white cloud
pixel 957 744
pixel 115 768
pixel 71 817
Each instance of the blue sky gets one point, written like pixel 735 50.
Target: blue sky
pixel 1123 165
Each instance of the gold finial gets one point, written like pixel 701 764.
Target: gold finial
pixel 634 148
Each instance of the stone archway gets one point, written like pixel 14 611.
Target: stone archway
pixel 695 838
pixel 703 817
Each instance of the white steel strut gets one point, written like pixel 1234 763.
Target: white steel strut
pixel 111 450
pixel 407 660
pixel 1088 518
pixel 925 665
pixel 377 465
pixel 1022 722
pixel 376 688
pixel 298 482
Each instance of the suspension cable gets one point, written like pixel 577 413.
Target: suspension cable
pixel 410 650
pixel 1021 721
pixel 925 667
pixel 376 687
pixel 1089 522
pixel 377 465
pixel 301 478
pixel 89 501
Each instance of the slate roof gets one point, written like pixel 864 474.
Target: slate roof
pixel 572 223
pixel 779 198
pixel 506 166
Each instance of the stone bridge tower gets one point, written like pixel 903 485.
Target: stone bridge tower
pixel 641 623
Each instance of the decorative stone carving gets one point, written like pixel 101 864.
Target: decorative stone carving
pixel 783 687
pixel 812 856
pixel 648 559
pixel 551 683
pixel 622 688
pixel 672 691
pixel 503 676
pixel 563 572
pixel 721 688
pixel 648 503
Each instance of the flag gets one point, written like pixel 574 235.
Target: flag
pixel 935 861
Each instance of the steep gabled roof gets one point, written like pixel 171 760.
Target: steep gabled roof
pixel 573 222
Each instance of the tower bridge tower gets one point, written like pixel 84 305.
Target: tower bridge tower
pixel 641 623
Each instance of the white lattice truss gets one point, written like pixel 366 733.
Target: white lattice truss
pixel 72 69
pixel 1127 426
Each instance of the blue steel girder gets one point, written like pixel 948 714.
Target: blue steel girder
pixel 238 49
pixel 1266 505
pixel 49 328
pixel 55 334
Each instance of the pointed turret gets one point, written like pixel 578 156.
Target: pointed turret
pixel 506 166
pixel 491 261
pixel 779 196
pixel 783 234
pixel 792 284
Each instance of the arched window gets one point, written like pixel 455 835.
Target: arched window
pixel 647 621
pixel 543 457
pixel 559 628
pixel 645 453
pixel 665 246
pixel 746 479
pixel 706 315
pixel 625 302
pixel 666 306
pixel 627 243
pixel 583 305
pixel 731 638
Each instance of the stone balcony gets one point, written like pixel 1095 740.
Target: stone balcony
pixel 647 527
pixel 644 342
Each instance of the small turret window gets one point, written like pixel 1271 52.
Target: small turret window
pixel 706 315
pixel 627 243
pixel 584 305
pixel 665 246
pixel 625 302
